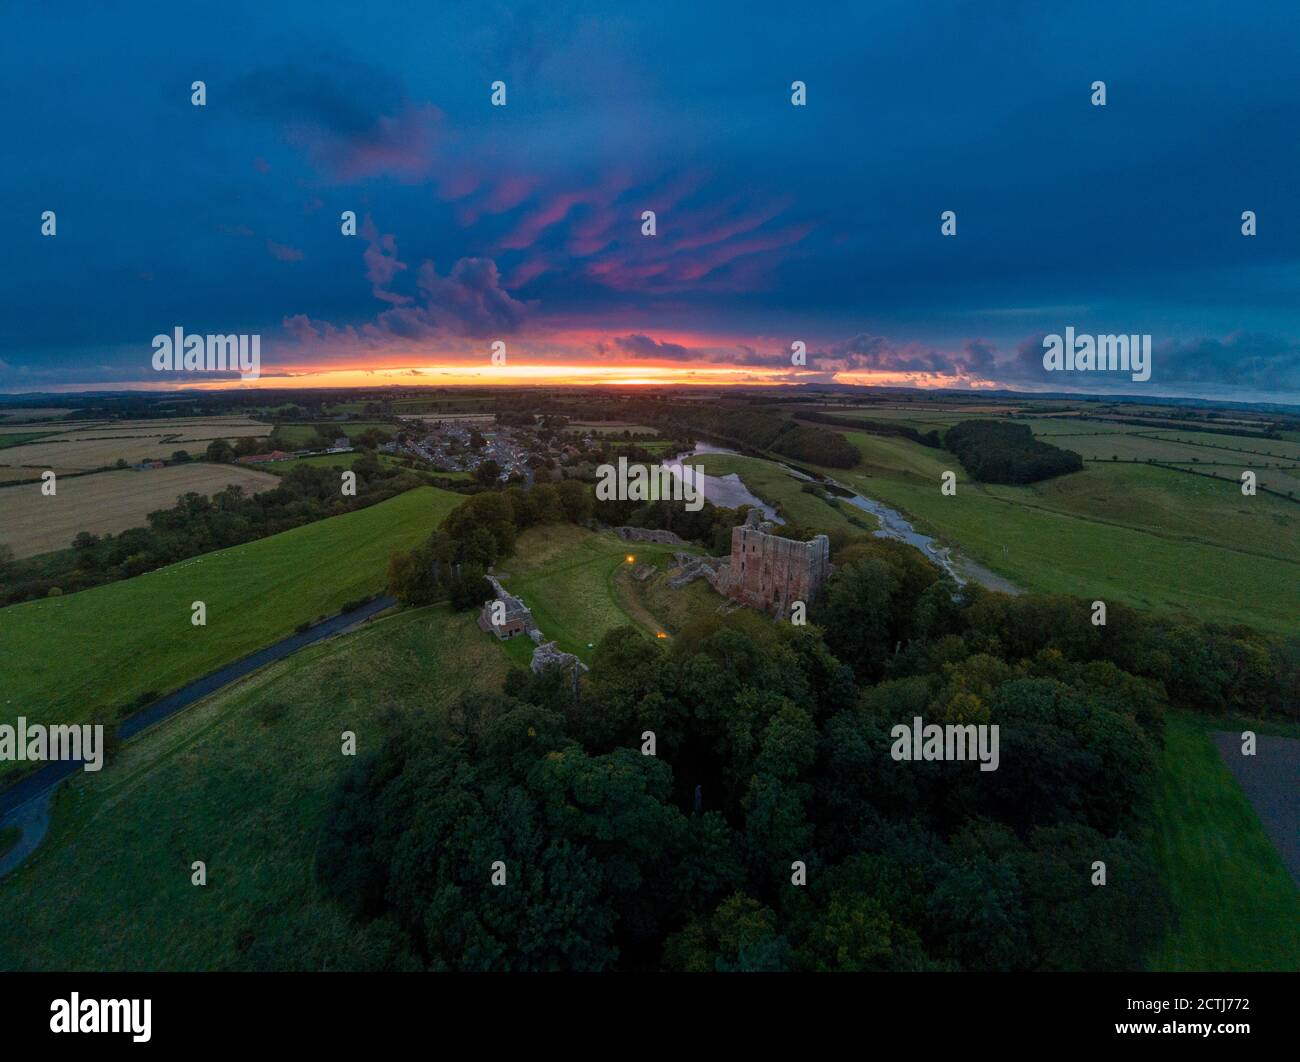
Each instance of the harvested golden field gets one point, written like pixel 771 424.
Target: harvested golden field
pixel 108 502
pixel 99 444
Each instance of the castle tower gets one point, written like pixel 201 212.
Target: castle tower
pixel 770 572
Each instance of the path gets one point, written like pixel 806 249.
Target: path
pixel 26 804
pixel 1269 781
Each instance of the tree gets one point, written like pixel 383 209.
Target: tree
pixel 412 576
pixel 469 588
pixel 855 615
pixel 219 451
pixel 424 832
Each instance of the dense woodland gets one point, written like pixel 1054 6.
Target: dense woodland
pixel 994 451
pixel 773 746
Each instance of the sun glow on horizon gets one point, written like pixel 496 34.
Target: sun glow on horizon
pixel 511 374
pixel 524 374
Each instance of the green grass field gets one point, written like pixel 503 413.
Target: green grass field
pixel 84 656
pixel 279 468
pixel 784 492
pixel 1155 538
pixel 301 434
pixel 578 586
pixel 1071 426
pixel 1238 909
pixel 7 441
pixel 1278 449
pixel 1167 448
pixel 242 781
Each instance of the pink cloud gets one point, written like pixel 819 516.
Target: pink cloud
pixel 283 252
pixel 382 264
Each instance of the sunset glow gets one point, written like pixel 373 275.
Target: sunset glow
pixel 514 375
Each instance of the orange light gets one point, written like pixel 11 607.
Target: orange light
pixel 631 559
pixel 661 634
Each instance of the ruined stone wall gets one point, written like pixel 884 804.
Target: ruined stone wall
pixel 647 534
pixel 769 572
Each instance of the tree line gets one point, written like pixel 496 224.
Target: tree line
pixel 995 451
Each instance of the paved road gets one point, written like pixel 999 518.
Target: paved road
pixel 26 803
pixel 1269 780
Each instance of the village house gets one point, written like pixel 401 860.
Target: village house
pixel 261 459
pixel 504 614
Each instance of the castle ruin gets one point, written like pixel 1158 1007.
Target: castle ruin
pixel 505 615
pixel 764 570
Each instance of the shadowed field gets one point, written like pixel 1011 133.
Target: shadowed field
pixel 241 781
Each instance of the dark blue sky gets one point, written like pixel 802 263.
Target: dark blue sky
pixel 775 222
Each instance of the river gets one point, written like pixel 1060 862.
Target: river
pixel 730 492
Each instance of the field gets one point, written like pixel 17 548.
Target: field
pixel 40 414
pixel 1238 907
pixel 296 435
pixel 609 427
pixel 785 493
pixel 89 445
pixel 1275 449
pixel 279 468
pixel 86 656
pixel 1153 537
pixel 241 781
pixel 579 585
pixel 1172 448
pixel 19 438
pixel 108 502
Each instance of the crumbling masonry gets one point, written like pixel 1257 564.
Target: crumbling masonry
pixel 764 570
pixel 769 572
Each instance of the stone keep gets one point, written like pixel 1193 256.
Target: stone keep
pixel 770 572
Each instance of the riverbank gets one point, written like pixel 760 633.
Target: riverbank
pixel 891 523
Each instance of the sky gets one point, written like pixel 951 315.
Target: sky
pixel 774 223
